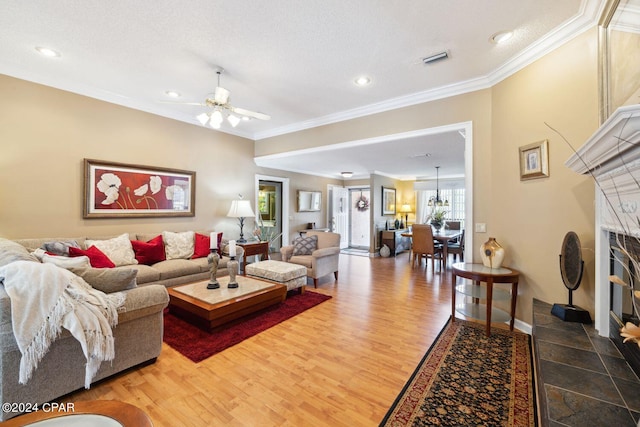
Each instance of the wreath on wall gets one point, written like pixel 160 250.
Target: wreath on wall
pixel 362 204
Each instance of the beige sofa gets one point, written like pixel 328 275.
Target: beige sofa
pixel 167 273
pixel 138 335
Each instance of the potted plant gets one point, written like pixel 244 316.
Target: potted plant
pixel 436 218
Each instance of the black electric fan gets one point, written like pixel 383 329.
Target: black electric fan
pixel 571 269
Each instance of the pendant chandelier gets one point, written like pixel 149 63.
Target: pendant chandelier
pixel 437 201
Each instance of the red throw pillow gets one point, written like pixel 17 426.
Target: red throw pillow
pixel 97 258
pixel 202 245
pixel 149 252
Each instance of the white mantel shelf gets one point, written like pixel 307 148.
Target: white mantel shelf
pixel 609 147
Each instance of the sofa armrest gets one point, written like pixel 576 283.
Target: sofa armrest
pixel 239 251
pixel 319 253
pixel 287 252
pixel 142 301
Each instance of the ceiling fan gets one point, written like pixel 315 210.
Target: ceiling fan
pixel 219 101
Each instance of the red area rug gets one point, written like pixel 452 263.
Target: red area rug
pixel 197 344
pixel 468 379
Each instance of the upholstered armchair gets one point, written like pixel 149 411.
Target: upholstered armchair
pixel 318 251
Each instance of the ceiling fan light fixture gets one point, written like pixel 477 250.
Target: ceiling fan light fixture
pixel 203 118
pixel 234 120
pixel 216 117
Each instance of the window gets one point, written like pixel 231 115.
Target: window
pixel 455 210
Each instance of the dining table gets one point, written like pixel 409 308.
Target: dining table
pixel 443 236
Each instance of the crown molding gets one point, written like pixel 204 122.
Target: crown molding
pixel 584 20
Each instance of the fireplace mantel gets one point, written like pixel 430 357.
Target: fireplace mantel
pixel 611 145
pixel 612 157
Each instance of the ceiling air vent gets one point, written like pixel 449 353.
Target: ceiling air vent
pixel 436 57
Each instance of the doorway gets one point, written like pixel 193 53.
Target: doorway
pixel 359 218
pixel 269 215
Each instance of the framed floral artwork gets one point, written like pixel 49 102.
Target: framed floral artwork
pixel 534 160
pixel 118 190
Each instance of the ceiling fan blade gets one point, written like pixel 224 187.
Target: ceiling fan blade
pixel 221 95
pixel 200 104
pixel 248 113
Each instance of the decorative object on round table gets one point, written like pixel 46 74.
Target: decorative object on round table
pixel 492 253
pixel 436 224
pixel 385 252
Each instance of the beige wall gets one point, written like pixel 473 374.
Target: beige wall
pixel 45 133
pixel 531 218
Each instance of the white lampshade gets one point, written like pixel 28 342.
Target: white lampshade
pixel 240 209
pixel 216 117
pixel 203 118
pixel 234 120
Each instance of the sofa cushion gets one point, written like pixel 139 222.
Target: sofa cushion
pixel 305 245
pixel 65 261
pixel 11 251
pixel 202 245
pixel 117 249
pixel 203 264
pixel 176 267
pixel 149 252
pixel 108 280
pixel 96 257
pixel 146 274
pixel 60 247
pixel 178 245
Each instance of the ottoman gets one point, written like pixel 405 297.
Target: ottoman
pixel 293 276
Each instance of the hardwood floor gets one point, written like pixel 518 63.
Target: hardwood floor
pixel 341 363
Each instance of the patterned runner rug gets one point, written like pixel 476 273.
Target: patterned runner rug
pixel 468 379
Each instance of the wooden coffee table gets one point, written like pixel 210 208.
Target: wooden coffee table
pixel 210 308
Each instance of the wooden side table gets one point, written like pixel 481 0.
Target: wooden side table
pixel 479 273
pixel 251 249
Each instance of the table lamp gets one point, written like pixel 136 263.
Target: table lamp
pixel 240 209
pixel 406 209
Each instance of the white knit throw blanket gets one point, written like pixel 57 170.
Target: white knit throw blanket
pixel 44 299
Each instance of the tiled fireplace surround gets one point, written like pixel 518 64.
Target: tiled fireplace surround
pixel 582 378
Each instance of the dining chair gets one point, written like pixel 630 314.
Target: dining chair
pixel 457 248
pixel 424 246
pixel 452 225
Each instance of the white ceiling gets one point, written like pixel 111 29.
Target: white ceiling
pixel 293 59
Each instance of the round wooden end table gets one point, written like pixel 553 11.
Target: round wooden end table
pixel 106 413
pixel 479 273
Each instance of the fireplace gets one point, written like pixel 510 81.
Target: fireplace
pixel 612 157
pixel 624 259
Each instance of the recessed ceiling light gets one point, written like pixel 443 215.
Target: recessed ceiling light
pixel 172 94
pixel 45 51
pixel 363 81
pixel 501 37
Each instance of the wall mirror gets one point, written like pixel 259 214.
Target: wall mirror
pixel 309 201
pixel 619 55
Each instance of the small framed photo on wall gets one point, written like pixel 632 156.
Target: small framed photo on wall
pixel 388 201
pixel 534 160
